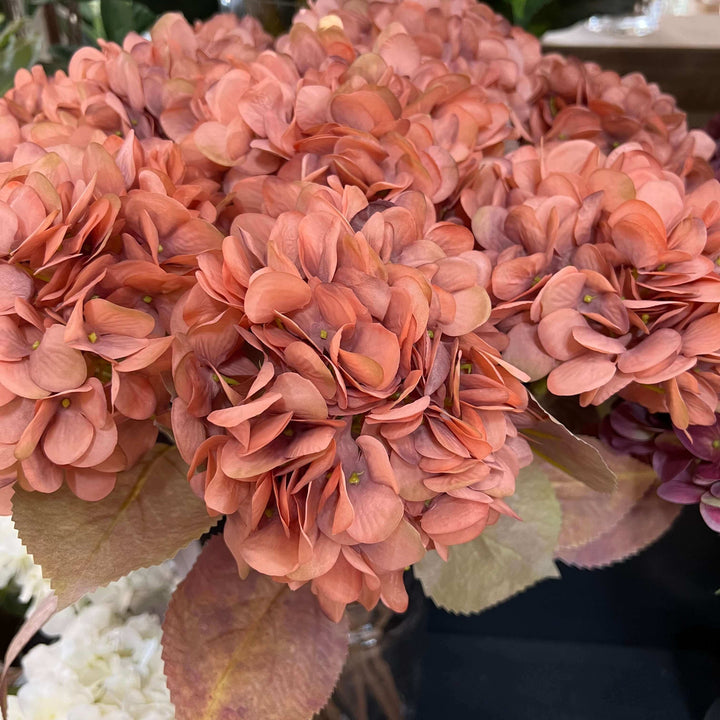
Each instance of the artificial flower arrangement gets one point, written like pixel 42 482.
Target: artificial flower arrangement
pixel 336 299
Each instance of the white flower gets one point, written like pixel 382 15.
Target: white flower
pixel 102 666
pixel 18 567
pixel 106 663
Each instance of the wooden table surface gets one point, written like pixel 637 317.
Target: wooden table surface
pixel 683 57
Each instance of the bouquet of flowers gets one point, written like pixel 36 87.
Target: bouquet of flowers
pixel 343 300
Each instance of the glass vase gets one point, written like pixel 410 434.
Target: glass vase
pixel 274 15
pixel 381 678
pixel 644 20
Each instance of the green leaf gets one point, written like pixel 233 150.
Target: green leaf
pixel 525 10
pixel 250 649
pixel 121 17
pixel 506 558
pixel 143 17
pixel 150 515
pixel 554 443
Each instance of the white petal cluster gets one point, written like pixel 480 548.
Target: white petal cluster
pixel 17 567
pixel 102 666
pixel 106 662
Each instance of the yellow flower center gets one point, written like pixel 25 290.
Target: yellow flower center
pixel 65 403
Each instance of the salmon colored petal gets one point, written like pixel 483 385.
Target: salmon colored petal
pixel 67 437
pixel 15 416
pixel 299 396
pixel 525 352
pixel 101 448
pixel 402 549
pixel 307 362
pixel 593 340
pixel 14 283
pixel 586 372
pixel 448 514
pixel 224 495
pixel 54 365
pixel 41 474
pixel 273 292
pixel 15 378
pixel 555 332
pixel 472 309
pixel 658 346
pixel 98 163
pixel 269 551
pixel 378 511
pixel 90 485
pixel 702 336
pixel 106 317
pixel 324 557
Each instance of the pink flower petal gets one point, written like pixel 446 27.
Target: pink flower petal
pixel 271 292
pixel 68 436
pixel 54 365
pixel 583 373
pixel 91 485
pixel 658 346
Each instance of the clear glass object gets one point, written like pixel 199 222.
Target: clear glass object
pixel 645 20
pixel 382 675
pixel 275 15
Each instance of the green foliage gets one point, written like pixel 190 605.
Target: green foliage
pixel 120 17
pixel 539 16
pixel 19 48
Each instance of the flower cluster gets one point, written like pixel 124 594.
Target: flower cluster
pixel 105 658
pixel 264 249
pixel 580 100
pixel 98 244
pixel 605 276
pixel 351 416
pixel 687 463
pixel 102 667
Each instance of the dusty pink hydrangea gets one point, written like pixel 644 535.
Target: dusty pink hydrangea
pixel 605 275
pixel 349 417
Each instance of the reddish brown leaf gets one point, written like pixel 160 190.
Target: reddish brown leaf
pixel 649 519
pixel 588 514
pixel 150 515
pixel 554 443
pixel 247 649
